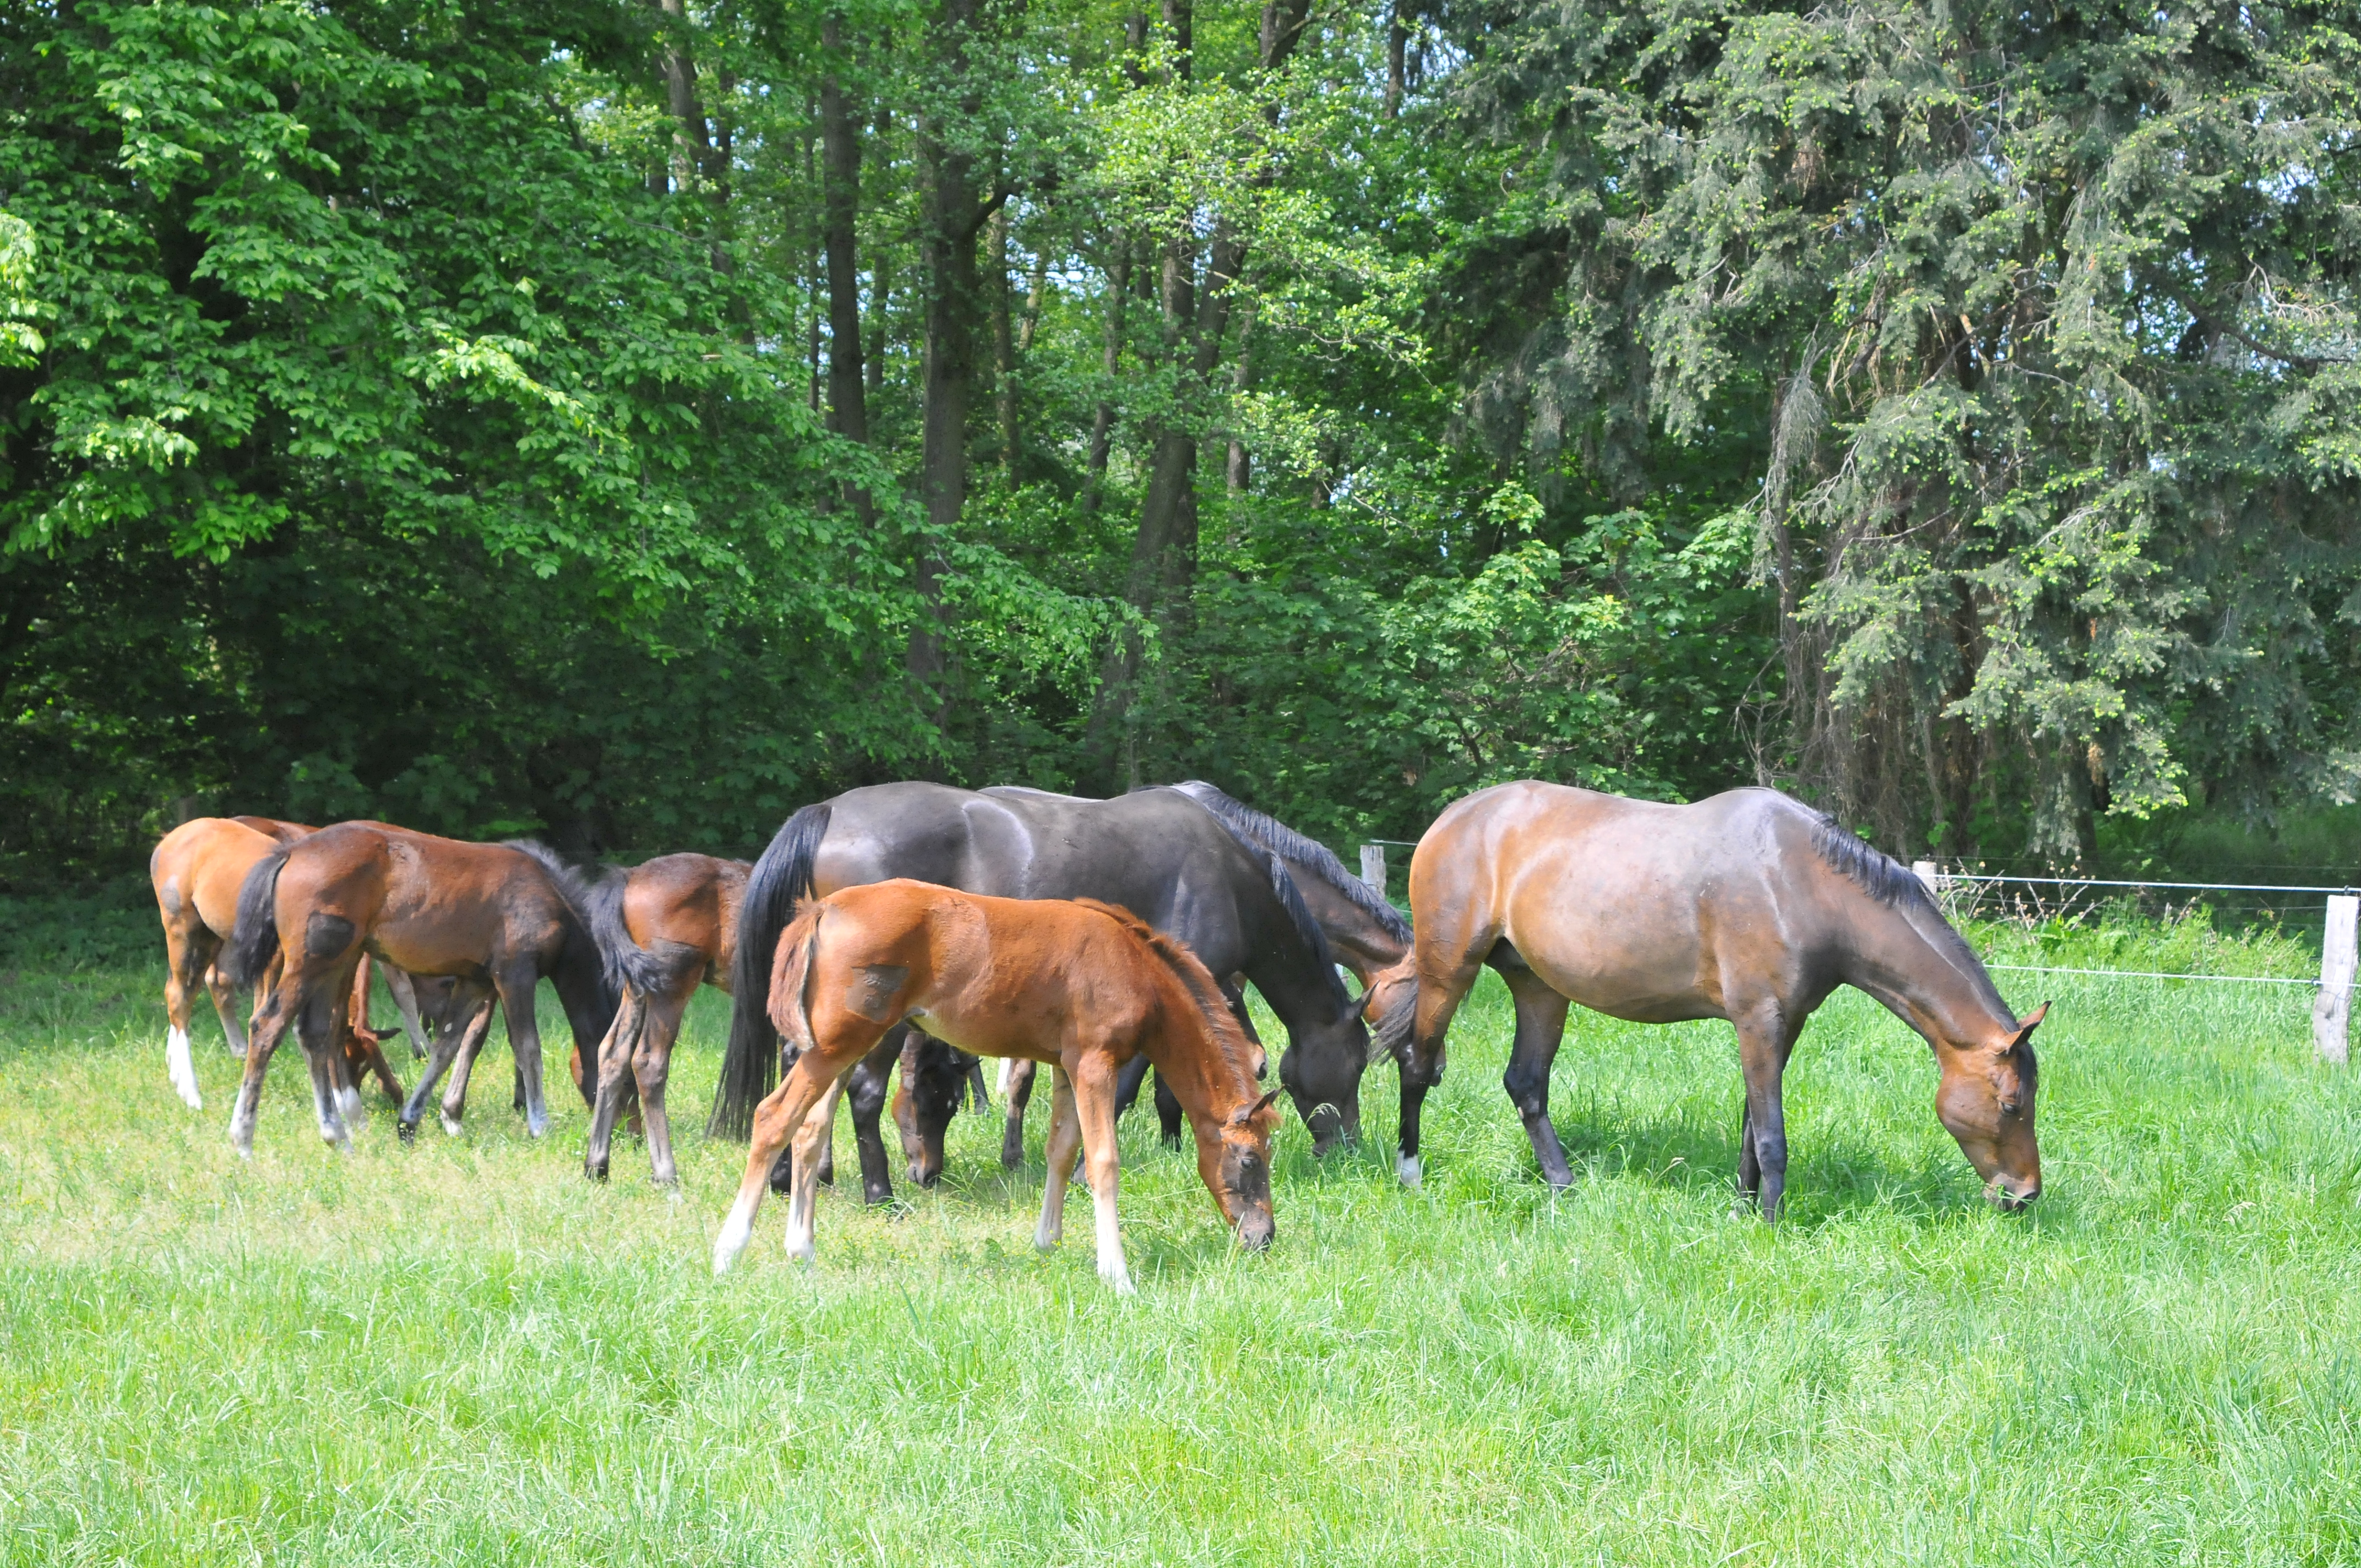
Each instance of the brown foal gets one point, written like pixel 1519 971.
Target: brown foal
pixel 1080 985
pixel 196 870
pixel 665 927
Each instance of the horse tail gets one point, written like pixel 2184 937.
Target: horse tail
pixel 1390 1005
pixel 254 938
pixel 781 880
pixel 790 1002
pixel 629 966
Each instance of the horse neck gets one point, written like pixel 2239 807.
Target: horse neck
pixel 1361 943
pixel 1913 961
pixel 1193 1062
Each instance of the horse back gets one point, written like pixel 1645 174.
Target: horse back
pixel 197 868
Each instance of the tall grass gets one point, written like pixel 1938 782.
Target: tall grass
pixel 464 1352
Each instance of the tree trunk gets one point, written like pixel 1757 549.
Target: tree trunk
pixel 881 265
pixel 1397 48
pixel 1003 340
pixel 692 147
pixel 1110 365
pixel 954 215
pixel 1239 473
pixel 847 402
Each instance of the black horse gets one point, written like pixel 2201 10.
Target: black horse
pixel 1155 852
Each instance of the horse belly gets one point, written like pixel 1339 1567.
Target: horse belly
pixel 1624 965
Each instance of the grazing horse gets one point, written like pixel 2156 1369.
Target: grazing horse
pixel 1365 933
pixel 196 871
pixel 664 928
pixel 1155 852
pixel 496 917
pixel 1083 986
pixel 1747 906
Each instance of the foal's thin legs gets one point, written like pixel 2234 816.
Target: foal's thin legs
pixel 1016 1092
pixel 819 1127
pixel 463 1026
pixel 1093 1093
pixel 613 1066
pixel 782 1115
pixel 1065 1141
pixel 650 1066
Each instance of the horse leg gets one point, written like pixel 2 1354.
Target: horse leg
pixel 866 1088
pixel 405 1002
pixel 1167 1113
pixel 650 1066
pixel 318 1028
pixel 1016 1092
pixel 1422 1060
pixel 524 1042
pixel 1093 1090
pixel 1064 1142
pixel 903 1106
pixel 269 1027
pixel 782 1115
pixel 185 962
pixel 1541 1026
pixel 225 1008
pixel 803 1204
pixel 615 1053
pixel 1128 1081
pixel 464 1023
pixel 1764 1039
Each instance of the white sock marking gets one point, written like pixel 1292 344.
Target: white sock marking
pixel 1111 1264
pixel 181 1069
pixel 736 1231
pixel 1407 1168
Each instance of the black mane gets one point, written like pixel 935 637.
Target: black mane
pixel 1872 871
pixel 1259 830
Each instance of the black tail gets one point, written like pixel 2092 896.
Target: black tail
pixel 630 966
pixel 779 880
pixel 255 939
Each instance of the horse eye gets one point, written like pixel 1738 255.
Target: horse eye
pixel 2008 1107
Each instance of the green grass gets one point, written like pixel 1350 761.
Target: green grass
pixel 462 1351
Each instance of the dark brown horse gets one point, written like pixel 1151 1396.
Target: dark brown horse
pixel 664 928
pixel 496 917
pixel 1082 986
pixel 196 870
pixel 1747 906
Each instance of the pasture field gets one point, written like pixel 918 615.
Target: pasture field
pixel 462 1351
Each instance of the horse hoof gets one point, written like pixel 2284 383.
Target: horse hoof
pixel 450 1123
pixel 1407 1166
pixel 407 1131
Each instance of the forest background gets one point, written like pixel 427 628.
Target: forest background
pixel 627 419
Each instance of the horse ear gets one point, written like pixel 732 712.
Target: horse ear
pixel 2030 1022
pixel 1240 1118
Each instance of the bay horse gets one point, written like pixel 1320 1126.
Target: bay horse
pixel 1748 907
pixel 1365 933
pixel 1080 985
pixel 195 872
pixel 664 928
pixel 1154 851
pixel 496 917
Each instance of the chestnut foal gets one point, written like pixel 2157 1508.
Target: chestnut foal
pixel 1080 985
pixel 196 869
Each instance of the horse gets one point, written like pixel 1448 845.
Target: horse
pixel 496 917
pixel 1748 907
pixel 1080 985
pixel 1155 852
pixel 196 871
pixel 664 928
pixel 1365 934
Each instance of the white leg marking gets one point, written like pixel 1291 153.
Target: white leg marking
pixel 450 1123
pixel 1111 1264
pixel 736 1231
pixel 1008 1066
pixel 1406 1167
pixel 348 1102
pixel 181 1069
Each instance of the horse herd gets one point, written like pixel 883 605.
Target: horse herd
pixel 920 927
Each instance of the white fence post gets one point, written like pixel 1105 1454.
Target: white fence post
pixel 2331 1010
pixel 1929 875
pixel 1373 867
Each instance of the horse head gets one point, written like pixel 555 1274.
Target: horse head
pixel 1234 1159
pixel 1985 1101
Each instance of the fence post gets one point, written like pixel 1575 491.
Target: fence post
pixel 1929 875
pixel 2331 1010
pixel 1373 867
